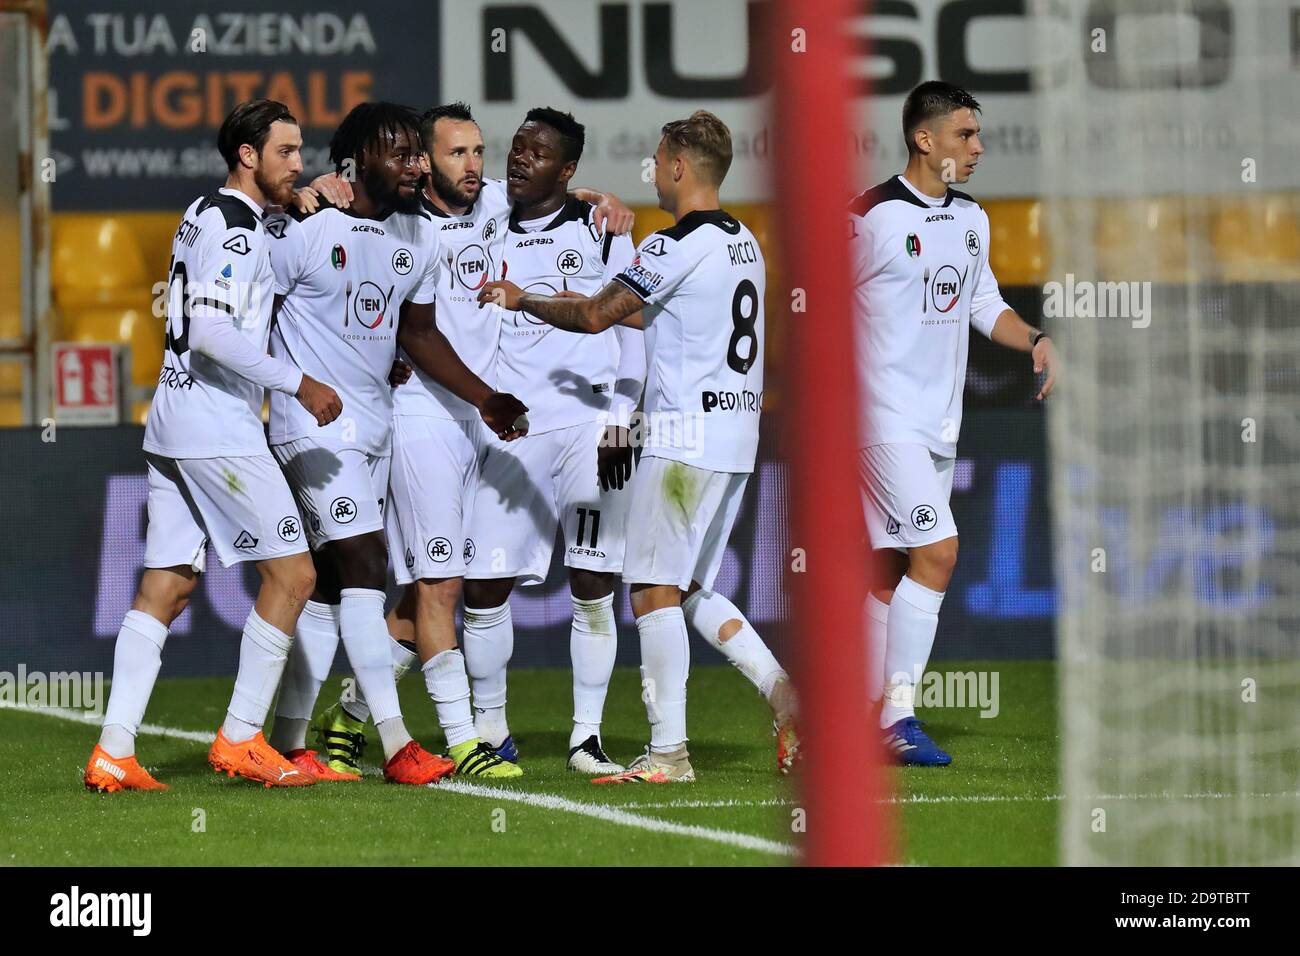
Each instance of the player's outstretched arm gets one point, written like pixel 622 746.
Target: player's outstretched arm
pixel 420 338
pixel 608 307
pixel 1013 332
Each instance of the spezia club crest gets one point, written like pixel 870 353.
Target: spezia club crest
pixel 402 261
pixel 913 245
pixel 569 262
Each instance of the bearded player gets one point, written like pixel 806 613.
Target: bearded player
pixel 357 284
pixel 212 479
pixel 438 442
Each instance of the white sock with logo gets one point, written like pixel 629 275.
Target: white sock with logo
pixel 137 658
pixel 877 624
pixel 403 660
pixel 263 651
pixel 593 644
pixel 448 686
pixel 316 638
pixel 489 642
pixel 707 612
pixel 913 620
pixel 365 638
pixel 665 667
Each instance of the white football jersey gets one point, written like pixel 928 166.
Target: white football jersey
pixel 921 278
pixel 703 282
pixel 470 256
pixel 344 279
pixel 565 378
pixel 220 269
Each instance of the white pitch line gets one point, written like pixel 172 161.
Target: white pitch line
pixel 611 814
pixel 82 717
pixel 203 737
pixel 542 800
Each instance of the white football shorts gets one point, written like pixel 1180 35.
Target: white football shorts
pixel 679 523
pixel 431 495
pixel 530 488
pixel 340 491
pixel 242 505
pixel 905 491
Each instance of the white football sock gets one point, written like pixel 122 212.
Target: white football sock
pixel 913 620
pixel 877 622
pixel 403 660
pixel 137 658
pixel 706 612
pixel 448 685
pixel 365 638
pixel 310 658
pixel 665 666
pixel 489 642
pixel 593 643
pixel 263 651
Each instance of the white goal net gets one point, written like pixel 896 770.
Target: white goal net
pixel 1171 131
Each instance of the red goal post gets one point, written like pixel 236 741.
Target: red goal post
pixel 842 779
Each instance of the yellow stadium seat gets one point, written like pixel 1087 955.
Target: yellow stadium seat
pixel 97 261
pixel 1017 249
pixel 136 327
pixel 1257 238
pixel 11 379
pixel 154 231
pixel 1154 240
pixel 11 394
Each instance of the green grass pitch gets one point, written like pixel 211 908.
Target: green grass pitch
pixel 994 806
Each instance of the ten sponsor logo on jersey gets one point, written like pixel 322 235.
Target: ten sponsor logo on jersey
pixel 472 266
pixel 371 305
pixel 945 289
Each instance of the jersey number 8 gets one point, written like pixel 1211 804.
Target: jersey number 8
pixel 742 321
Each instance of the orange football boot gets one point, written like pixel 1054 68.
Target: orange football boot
pixel 256 760
pixel 415 765
pixel 110 774
pixel 307 760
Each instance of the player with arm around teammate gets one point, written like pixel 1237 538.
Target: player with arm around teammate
pixel 703 400
pixel 212 479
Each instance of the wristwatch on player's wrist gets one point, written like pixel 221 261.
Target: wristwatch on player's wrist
pixel 1037 337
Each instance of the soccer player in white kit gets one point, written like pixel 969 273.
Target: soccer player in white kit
pixel 438 441
pixel 919 255
pixel 698 287
pixel 358 284
pixel 211 476
pixel 571 473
